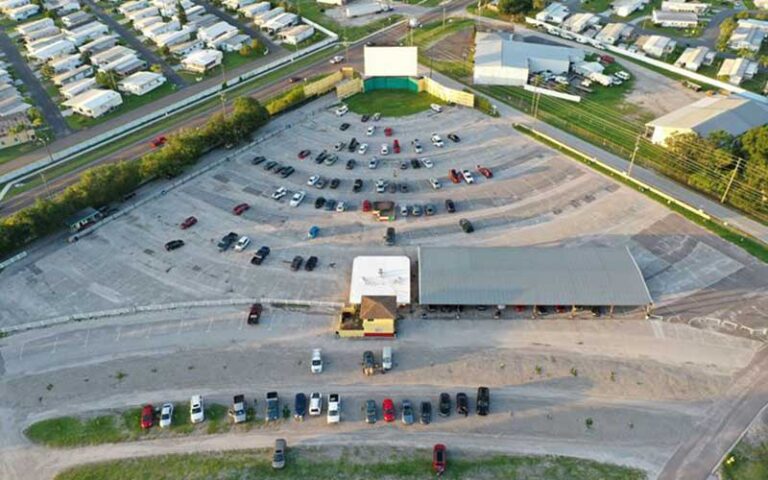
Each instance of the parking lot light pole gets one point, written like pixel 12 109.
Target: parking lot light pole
pixel 44 140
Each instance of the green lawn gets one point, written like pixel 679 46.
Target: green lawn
pixel 316 12
pixel 317 37
pixel 596 6
pixel 10 153
pixel 352 465
pixel 746 462
pixel 391 103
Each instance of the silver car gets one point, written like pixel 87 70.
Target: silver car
pixel 278 456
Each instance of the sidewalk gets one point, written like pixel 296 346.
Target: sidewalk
pixel 671 188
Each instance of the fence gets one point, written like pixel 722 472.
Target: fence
pixel 446 94
pixel 323 85
pixel 349 87
pixel 552 93
pixel 391 83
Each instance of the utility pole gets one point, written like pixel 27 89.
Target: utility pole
pixel 222 95
pixel 634 155
pixel 44 140
pixel 730 182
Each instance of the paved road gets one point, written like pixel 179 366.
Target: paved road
pixel 130 37
pixel 47 107
pixel 243 26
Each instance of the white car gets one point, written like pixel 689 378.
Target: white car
pixel 342 110
pixel 337 59
pixel 435 183
pixel 381 186
pixel 166 415
pixel 427 162
pixel 334 408
pixel 376 117
pixel 467 176
pixel 384 149
pixel 297 198
pixel 313 180
pixel 373 163
pixel 315 403
pixel 242 244
pixel 279 193
pixel 316 366
pixel 362 148
pixel 437 141
pixel 341 207
pixel 436 108
pixel 371 130
pixel 623 75
pixel 417 146
pixel 196 409
pixel 404 210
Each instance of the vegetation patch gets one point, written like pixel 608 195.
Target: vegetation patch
pixel 747 461
pixel 391 103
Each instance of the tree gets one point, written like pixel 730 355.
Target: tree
pixel 754 144
pixel 246 51
pixel 726 29
pixel 104 79
pixel 47 70
pixel 164 51
pixel 256 45
pixel 181 14
pixel 515 7
pixel 157 68
pixel 36 117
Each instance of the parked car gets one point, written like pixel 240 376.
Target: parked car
pixel 426 413
pixel 342 110
pixel 436 108
pixel 260 255
pixel 392 187
pixel 483 401
pixel 381 185
pixel 404 165
pixel 417 146
pixel 404 210
pixel 254 314
pixel 270 165
pixel 407 415
pixel 321 157
pixel 166 415
pixel 427 162
pixel 364 118
pixel 313 231
pixel 173 245
pixel 370 130
pixel 315 404
pixel 484 171
pixel 334 408
pixel 258 160
pixel 435 183
pixel 454 138
pixel 373 163
pixel 297 198
pixel 453 175
pixel 196 409
pixel 278 455
pixel 466 225
pixel 386 359
pixel 279 193
pixel 467 175
pixel 304 154
pixel 337 59
pixel 237 411
pixel 415 163
pixel 384 149
pixel 357 185
pixel 396 146
pixel 273 407
pixel 296 263
pixel 158 141
pixel 362 149
pixel 188 222
pixel 147 417
pixel 369 363
pixel 239 209
pixel 343 126
pixel 339 145
pixel 388 410
pixel 462 404
pixel 335 183
pixel 388 132
pixel 341 207
pixel 353 144
pixel 287 172
pixel 389 237
pixel 311 263
pixel 366 206
pixel 444 405
pixel 439 459
pixel 376 116
pixel 242 244
pixel 403 187
pixel 436 140
pixel 330 204
pixel 450 207
pixel 312 181
pixel 299 407
pixel 370 411
pixel 429 210
pixel 350 164
pixel 416 210
pixel 316 364
pixel 319 202
pixel 227 241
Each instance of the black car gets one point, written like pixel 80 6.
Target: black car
pixel 415 163
pixel 466 225
pixel 444 407
pixel 351 164
pixel 335 183
pixel 260 255
pixel 311 263
pixel 462 404
pixel 343 126
pixel 300 406
pixel 296 263
pixel 353 144
pixel 287 172
pixel 403 187
pixel 483 401
pixel 227 241
pixel 365 118
pixel 321 157
pixel 454 138
pixel 258 160
pixel 319 202
pixel 279 169
pixel 450 206
pixel 426 413
pixel 357 186
pixel 389 237
pixel 429 210
pixel 174 244
pixel 330 204
pixel 270 165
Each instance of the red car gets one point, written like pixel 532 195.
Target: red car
pixel 486 172
pixel 366 206
pixel 439 458
pixel 396 146
pixel 454 176
pixel 239 209
pixel 388 408
pixel 158 141
pixel 147 417
pixel 304 154
pixel 388 131
pixel 188 222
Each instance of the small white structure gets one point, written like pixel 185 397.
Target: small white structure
pixel 694 57
pixel 141 82
pixel 46 52
pixel 61 7
pixel 174 38
pixel 746 37
pixel 736 70
pixel 263 18
pixel 658 46
pixel 86 33
pixel 201 61
pixel 107 56
pixel 71 90
pixel 362 9
pixel 614 32
pixel 554 13
pixel 503 61
pixel 8 5
pixel 250 11
pixel 578 22
pixel 337 3
pixel 42 42
pixel 217 34
pixel 133 6
pixel 381 276
pixel 692 7
pixel 143 13
pixel 124 66
pixel 625 8
pixel 762 4
pixel 65 63
pixel 99 45
pixel 297 34
pixel 280 22
pixel 94 103
pixel 185 48
pixel 675 19
pixel 27 28
pixel 23 12
pixel 79 73
pixel 41 34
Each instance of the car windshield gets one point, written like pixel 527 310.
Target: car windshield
pixel 316 362
pixel 165 416
pixel 196 409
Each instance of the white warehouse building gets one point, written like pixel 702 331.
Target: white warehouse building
pixel 95 103
pixel 503 61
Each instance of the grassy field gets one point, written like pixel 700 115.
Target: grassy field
pixel 747 461
pixel 391 103
pixel 309 463
pixel 316 12
pixel 8 154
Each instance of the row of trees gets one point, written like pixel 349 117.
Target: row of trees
pixel 102 185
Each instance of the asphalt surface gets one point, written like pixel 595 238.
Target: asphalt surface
pixel 50 111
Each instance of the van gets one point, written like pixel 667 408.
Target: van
pixel 386 359
pixel 436 108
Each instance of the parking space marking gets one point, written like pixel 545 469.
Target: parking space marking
pixel 87 338
pixel 119 332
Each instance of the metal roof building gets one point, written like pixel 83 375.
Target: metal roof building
pixel 585 276
pixel 378 276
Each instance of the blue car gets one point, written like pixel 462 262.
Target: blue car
pixel 313 232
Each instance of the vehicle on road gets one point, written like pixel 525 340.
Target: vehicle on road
pixel 196 409
pixel 466 225
pixel 315 404
pixel 467 175
pixel 147 417
pixel 158 142
pixel 242 244
pixel 227 241
pixel 454 138
pixel 319 202
pixel 486 172
pixel 316 365
pixel 296 263
pixel 439 459
pixel 407 415
pixel 273 407
pixel 278 455
pixel 237 411
pixel 311 263
pixel 351 163
pixel 435 183
pixel 260 255
pixel 436 108
pixel 166 415
pixel 483 401
pixel 337 59
pixel 297 198
pixel 279 193
pixel 369 363
pixel 450 207
pixel 462 404
pixel 304 154
pixel 389 237
pixel 334 408
pixel 444 405
pixel 426 413
pixel 188 222
pixel 388 410
pixel 240 209
pixel 254 314
pixel 299 407
pixel 370 411
pixel 173 245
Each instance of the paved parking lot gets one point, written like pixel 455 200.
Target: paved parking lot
pixel 537 197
